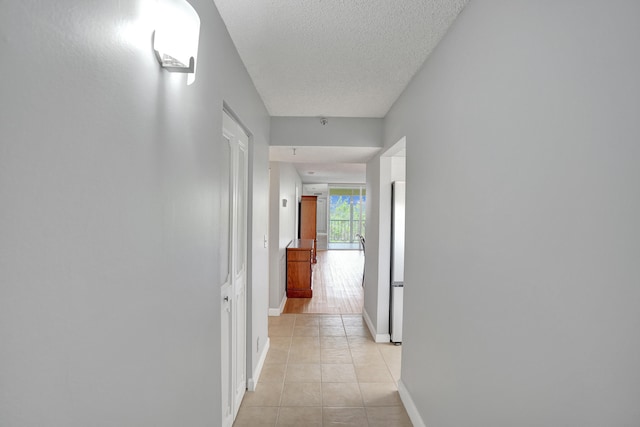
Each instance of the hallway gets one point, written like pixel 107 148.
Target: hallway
pixel 337 285
pixel 325 370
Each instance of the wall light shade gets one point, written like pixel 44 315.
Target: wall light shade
pixel 176 38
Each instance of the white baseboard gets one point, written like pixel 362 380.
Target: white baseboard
pixel 410 406
pixel 253 381
pixel 372 330
pixel 278 311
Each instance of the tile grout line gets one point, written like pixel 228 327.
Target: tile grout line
pixel 284 376
pixel 349 347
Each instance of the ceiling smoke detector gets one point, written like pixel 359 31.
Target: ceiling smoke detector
pixel 323 121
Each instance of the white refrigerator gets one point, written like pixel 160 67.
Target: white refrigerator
pixel 397 260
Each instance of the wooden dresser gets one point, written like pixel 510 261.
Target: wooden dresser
pixel 299 259
pixel 308 220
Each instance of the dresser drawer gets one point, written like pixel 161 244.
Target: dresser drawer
pixel 298 255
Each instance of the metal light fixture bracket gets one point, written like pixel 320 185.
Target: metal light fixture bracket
pixel 171 64
pixel 176 37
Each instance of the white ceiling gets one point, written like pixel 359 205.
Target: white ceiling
pixel 336 165
pixel 334 58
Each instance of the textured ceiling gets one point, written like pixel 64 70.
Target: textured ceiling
pixel 336 58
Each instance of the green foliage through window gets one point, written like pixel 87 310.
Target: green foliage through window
pixel 346 214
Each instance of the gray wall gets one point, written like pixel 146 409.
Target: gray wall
pixel 522 278
pixel 382 170
pixel 378 240
pixel 284 181
pixel 111 192
pixel 340 131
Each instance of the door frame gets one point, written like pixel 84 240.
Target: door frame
pixel 234 299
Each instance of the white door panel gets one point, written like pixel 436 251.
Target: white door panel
pixel 233 293
pixel 226 290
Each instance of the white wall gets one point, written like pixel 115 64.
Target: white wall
pixel 258 262
pixel 322 225
pixel 340 131
pixel 382 170
pixel 522 296
pixel 111 191
pixel 378 252
pixel 320 190
pixel 285 181
pixel 398 169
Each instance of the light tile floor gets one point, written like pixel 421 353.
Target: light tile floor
pixel 325 370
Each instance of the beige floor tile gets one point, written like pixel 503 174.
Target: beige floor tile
pixel 335 355
pixel 331 321
pixel 390 351
pixel 306 331
pixel 307 320
pixel 396 372
pixel 283 343
pixel 304 355
pixel 276 356
pixel 341 394
pixel 257 416
pixel 334 342
pixel 272 373
pixel 303 373
pixel 302 394
pixel 393 362
pixel 283 319
pixel 282 330
pixel 380 394
pixel 266 394
pixel 392 357
pixel 359 331
pixel 353 319
pixel 374 373
pixel 388 416
pixel 305 342
pixel 366 357
pixel 299 417
pixel 338 373
pixel 332 331
pixel 362 341
pixel 325 370
pixel 342 417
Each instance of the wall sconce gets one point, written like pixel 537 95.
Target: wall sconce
pixel 176 38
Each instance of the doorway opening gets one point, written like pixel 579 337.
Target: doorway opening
pixel 347 217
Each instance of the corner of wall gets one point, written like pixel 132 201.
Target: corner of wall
pixel 253 381
pixel 278 311
pixel 410 405
pixel 372 329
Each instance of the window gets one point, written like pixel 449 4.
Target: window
pixel 346 214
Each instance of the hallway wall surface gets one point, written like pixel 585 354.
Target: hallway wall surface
pixel 284 182
pixel 382 170
pixel 339 131
pixel 113 192
pixel 523 199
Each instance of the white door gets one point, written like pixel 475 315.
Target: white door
pixel 234 259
